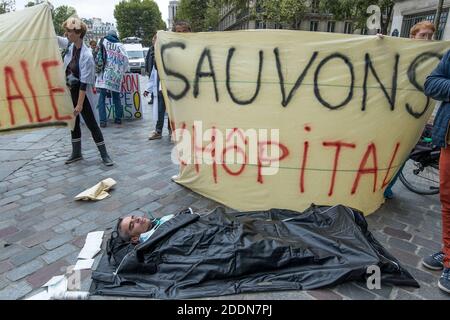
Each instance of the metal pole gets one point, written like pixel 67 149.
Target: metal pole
pixel 438 18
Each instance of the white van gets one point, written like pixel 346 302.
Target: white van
pixel 136 58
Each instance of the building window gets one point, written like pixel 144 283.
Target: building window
pixel 331 26
pixel 348 28
pixel 314 26
pixel 410 20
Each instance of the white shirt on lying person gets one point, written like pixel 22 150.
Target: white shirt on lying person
pixel 157 222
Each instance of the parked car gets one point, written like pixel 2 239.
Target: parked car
pixel 136 57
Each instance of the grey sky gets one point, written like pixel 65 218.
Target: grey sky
pixel 103 9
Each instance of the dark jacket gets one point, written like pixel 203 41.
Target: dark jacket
pixel 437 86
pixel 149 60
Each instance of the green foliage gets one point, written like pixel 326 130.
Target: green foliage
pixel 356 10
pixel 61 14
pixel 282 12
pixel 7 6
pixel 212 17
pixel 195 12
pixel 33 3
pixel 204 14
pixel 138 18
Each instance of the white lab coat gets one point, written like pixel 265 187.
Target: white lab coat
pixel 153 88
pixel 87 70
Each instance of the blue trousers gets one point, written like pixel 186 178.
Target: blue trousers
pixel 118 109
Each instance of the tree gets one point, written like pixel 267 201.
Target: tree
pixel 203 15
pixel 7 6
pixel 33 3
pixel 194 12
pixel 61 14
pixel 281 12
pixel 138 18
pixel 356 10
pixel 212 17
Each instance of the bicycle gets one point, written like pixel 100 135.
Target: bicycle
pixel 420 173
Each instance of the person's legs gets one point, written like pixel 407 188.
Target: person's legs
pixel 91 123
pixel 102 108
pixel 169 127
pixel 161 113
pixel 441 260
pixel 117 107
pixel 388 193
pixel 76 134
pixel 444 169
pixel 160 123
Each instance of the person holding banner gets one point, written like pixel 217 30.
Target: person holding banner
pixel 182 26
pixel 80 76
pixel 149 62
pixel 159 107
pixel 155 88
pixel 437 86
pixel 112 63
pixel 423 30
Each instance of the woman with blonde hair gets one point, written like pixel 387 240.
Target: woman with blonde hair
pixel 79 67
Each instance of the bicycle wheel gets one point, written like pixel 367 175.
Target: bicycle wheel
pixel 420 179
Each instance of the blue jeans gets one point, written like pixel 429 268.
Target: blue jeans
pixel 118 110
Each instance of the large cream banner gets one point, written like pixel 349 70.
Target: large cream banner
pixel 32 82
pixel 285 119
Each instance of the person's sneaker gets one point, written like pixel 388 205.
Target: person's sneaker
pixel 155 136
pixel 434 262
pixel 118 121
pixel 444 281
pixel 103 124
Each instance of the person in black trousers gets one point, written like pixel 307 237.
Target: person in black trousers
pixel 80 76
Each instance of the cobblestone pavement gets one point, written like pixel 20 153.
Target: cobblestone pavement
pixel 42 229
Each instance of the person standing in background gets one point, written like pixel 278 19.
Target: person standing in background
pixel 112 64
pixel 79 68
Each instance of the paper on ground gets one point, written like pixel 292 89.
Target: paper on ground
pixel 92 245
pixel 97 192
pixel 56 286
pixel 43 295
pixel 53 281
pixel 84 264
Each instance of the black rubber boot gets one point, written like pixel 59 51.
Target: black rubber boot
pixel 105 157
pixel 76 152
